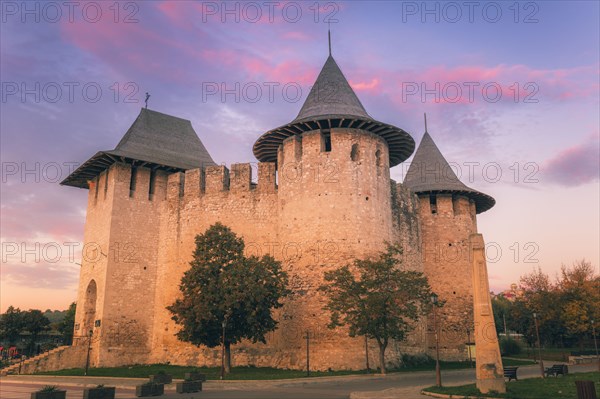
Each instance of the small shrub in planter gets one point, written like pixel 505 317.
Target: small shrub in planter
pixel 49 392
pixel 149 389
pixel 161 378
pixel 189 386
pixel 195 376
pixel 100 392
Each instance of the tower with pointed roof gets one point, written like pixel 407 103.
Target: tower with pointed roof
pixel 448 216
pixel 127 192
pixel 333 163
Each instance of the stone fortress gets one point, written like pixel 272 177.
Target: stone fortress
pixel 320 197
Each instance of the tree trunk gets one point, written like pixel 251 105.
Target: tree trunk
pixel 382 347
pixel 227 358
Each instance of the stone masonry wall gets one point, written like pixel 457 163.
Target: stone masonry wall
pixel 447 222
pixel 405 210
pixel 129 304
pixel 330 201
pixel 335 207
pixel 195 201
pixel 119 260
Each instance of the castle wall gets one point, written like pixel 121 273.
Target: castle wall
pixel 407 232
pixel 92 276
pixel 329 208
pixel 121 238
pixel 330 202
pixel 335 207
pixel 447 221
pixel 195 201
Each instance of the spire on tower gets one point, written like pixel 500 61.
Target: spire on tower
pixel 329 36
pixel 425 115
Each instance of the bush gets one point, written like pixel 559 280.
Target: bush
pixel 410 361
pixel 49 388
pixel 509 347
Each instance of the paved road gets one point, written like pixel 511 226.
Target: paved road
pixel 399 385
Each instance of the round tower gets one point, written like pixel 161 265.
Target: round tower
pixel 447 213
pixel 334 190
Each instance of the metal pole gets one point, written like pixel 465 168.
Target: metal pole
pixel 438 373
pixel 469 347
pixel 367 353
pixel 87 360
pixel 307 354
pixel 595 344
pixel 537 333
pixel 223 349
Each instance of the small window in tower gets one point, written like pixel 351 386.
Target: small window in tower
pixel 354 152
pixel 132 181
pixel 152 184
pixel 433 203
pixel 378 157
pixel 106 183
pixel 326 141
pixel 96 184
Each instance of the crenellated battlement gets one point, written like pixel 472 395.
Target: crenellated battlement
pixel 123 180
pixel 143 184
pixel 219 179
pixel 446 205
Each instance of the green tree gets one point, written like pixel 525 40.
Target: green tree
pixel 11 325
pixel 67 324
pixel 225 289
pixel 580 298
pixel 377 298
pixel 541 296
pixel 35 323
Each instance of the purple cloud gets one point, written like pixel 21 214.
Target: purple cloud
pixel 575 166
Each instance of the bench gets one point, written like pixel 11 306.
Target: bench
pixel 557 369
pixel 510 373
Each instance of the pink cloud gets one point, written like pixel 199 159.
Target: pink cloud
pixel 296 35
pixel 576 165
pixel 480 84
pixel 371 86
pixel 283 72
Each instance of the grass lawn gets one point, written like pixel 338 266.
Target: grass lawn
pixel 248 373
pixel 556 354
pixel 531 388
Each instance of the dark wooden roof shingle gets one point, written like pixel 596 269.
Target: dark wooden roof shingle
pixel 429 172
pixel 155 140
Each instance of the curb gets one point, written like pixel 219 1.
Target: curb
pixel 442 395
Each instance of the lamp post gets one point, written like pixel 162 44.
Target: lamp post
pixel 469 347
pixel 87 360
pixel 307 353
pixel 539 343
pixel 438 373
pixel 367 353
pixel 595 343
pixel 223 325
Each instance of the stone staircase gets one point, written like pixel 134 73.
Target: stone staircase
pixel 63 357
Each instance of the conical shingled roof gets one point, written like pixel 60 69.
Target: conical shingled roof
pixel 331 95
pixel 332 103
pixel 429 172
pixel 154 140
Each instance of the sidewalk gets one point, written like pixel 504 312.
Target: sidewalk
pixel 407 385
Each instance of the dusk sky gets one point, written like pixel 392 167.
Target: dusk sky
pixel 511 90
